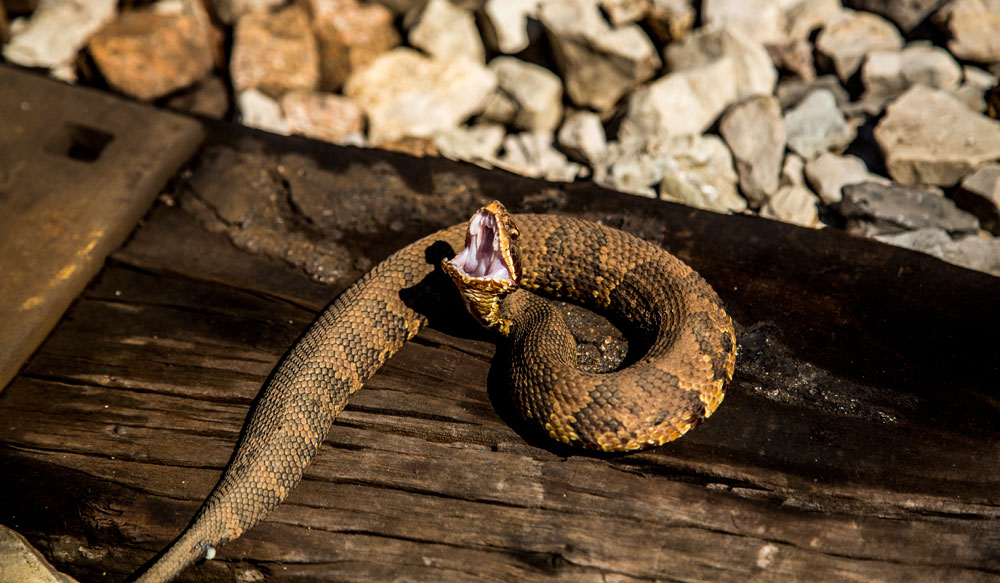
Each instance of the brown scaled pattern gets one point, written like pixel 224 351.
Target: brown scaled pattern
pixel 679 382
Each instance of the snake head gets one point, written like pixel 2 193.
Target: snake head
pixel 489 266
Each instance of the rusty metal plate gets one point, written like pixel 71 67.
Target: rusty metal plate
pixel 78 168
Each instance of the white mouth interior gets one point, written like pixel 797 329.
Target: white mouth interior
pixel 481 257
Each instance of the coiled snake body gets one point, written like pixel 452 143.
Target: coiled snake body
pixel 669 309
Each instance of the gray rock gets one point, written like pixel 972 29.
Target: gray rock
pixel 980 195
pixel 527 96
pixel 979 253
pixel 887 74
pixel 599 63
pixel 406 94
pixel 973 26
pixel 791 92
pixel 906 15
pixel 531 154
pixel 478 144
pixel 56 32
pixel 761 20
pixel 446 31
pixel 582 137
pixel 873 209
pixel 505 24
pixel 847 40
pixel 815 125
pixel 829 173
pixel 929 137
pixel 258 110
pixel 755 73
pixel 755 133
pixel 682 103
pixel 20 562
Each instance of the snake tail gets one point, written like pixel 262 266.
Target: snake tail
pixel 346 344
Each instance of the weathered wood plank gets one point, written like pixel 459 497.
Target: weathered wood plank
pixel 858 441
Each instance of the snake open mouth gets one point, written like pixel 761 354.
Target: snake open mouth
pixel 489 266
pixel 482 257
pixel 491 253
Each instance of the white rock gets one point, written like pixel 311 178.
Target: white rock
pixel 624 11
pixel 815 125
pixel 693 170
pixel 848 39
pixel 582 137
pixel 527 96
pixel 531 154
pixel 980 195
pixel 887 74
pixel 760 20
pixel 324 116
pixel 976 82
pixel 599 63
pixel 401 6
pixel 793 204
pixel 808 15
pixel 626 167
pixel 754 131
pixel 929 137
pixel 755 73
pixel 257 110
pixel 671 20
pixel 505 24
pixel 478 144
pixel 446 31
pixel 56 31
pixel 682 103
pixel 406 94
pixel 793 170
pixel 974 26
pixel 828 173
pixel 274 52
pixel 699 173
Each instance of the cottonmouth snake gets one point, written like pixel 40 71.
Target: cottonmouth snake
pixel 667 307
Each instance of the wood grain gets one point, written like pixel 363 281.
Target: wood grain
pixel 858 442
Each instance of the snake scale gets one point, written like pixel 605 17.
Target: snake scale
pixel 669 310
